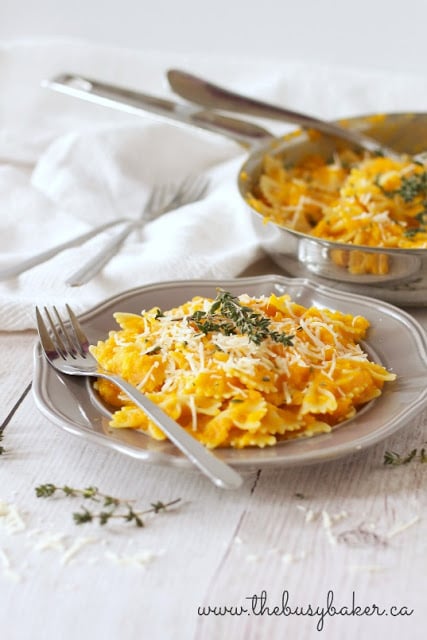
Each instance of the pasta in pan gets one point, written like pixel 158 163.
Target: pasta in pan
pixel 241 371
pixel 358 200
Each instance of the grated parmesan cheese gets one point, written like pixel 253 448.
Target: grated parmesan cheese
pixel 371 568
pixel 76 547
pixel 10 518
pixel 402 527
pixel 8 572
pixel 230 390
pixel 139 560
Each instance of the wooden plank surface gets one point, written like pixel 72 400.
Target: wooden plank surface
pixel 353 528
pixel 16 370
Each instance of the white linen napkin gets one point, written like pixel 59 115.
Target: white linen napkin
pixel 67 165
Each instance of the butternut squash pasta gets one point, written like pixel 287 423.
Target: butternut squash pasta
pixel 355 199
pixel 241 371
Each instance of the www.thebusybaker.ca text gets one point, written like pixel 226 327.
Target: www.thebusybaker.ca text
pixel 259 606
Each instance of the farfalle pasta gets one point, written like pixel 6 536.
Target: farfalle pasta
pixel 353 199
pixel 241 371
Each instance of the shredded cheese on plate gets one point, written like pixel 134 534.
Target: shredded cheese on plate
pixel 229 390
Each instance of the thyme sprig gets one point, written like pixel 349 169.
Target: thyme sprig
pixel 413 186
pixel 111 507
pixel 393 458
pixel 410 187
pixel 227 315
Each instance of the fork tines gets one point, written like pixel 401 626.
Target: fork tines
pixel 63 337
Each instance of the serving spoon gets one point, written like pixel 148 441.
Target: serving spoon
pixel 204 93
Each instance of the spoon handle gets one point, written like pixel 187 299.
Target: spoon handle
pixel 211 96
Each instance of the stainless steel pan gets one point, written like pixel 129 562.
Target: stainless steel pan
pixel 405 282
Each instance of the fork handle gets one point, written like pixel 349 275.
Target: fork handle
pixel 15 270
pixel 211 96
pixel 109 250
pixel 100 259
pixel 221 474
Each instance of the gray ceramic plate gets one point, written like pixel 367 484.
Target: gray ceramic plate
pixel 395 339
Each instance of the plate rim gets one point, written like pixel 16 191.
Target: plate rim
pixel 331 452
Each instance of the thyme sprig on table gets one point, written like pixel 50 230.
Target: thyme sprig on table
pixel 228 316
pixel 111 507
pixel 2 449
pixel 396 459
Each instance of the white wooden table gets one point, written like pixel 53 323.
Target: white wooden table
pixel 349 534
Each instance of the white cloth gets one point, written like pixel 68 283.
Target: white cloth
pixel 67 165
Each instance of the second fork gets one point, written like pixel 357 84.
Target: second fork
pixel 67 349
pixel 160 202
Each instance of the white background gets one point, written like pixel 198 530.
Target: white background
pixel 379 34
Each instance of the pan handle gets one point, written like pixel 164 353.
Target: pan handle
pixel 242 132
pixel 211 96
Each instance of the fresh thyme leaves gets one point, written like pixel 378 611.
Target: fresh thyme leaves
pixel 228 316
pixel 422 216
pixel 410 187
pixel 395 459
pixel 207 323
pixel 413 186
pixel 49 489
pixel 2 449
pixel 110 507
pixel 410 233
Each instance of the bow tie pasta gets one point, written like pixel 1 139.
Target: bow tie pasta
pixel 241 371
pixel 352 199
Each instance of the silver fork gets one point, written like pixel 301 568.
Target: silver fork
pixel 16 269
pixel 161 201
pixel 66 348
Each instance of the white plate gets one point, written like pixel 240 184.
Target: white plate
pixel 395 339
